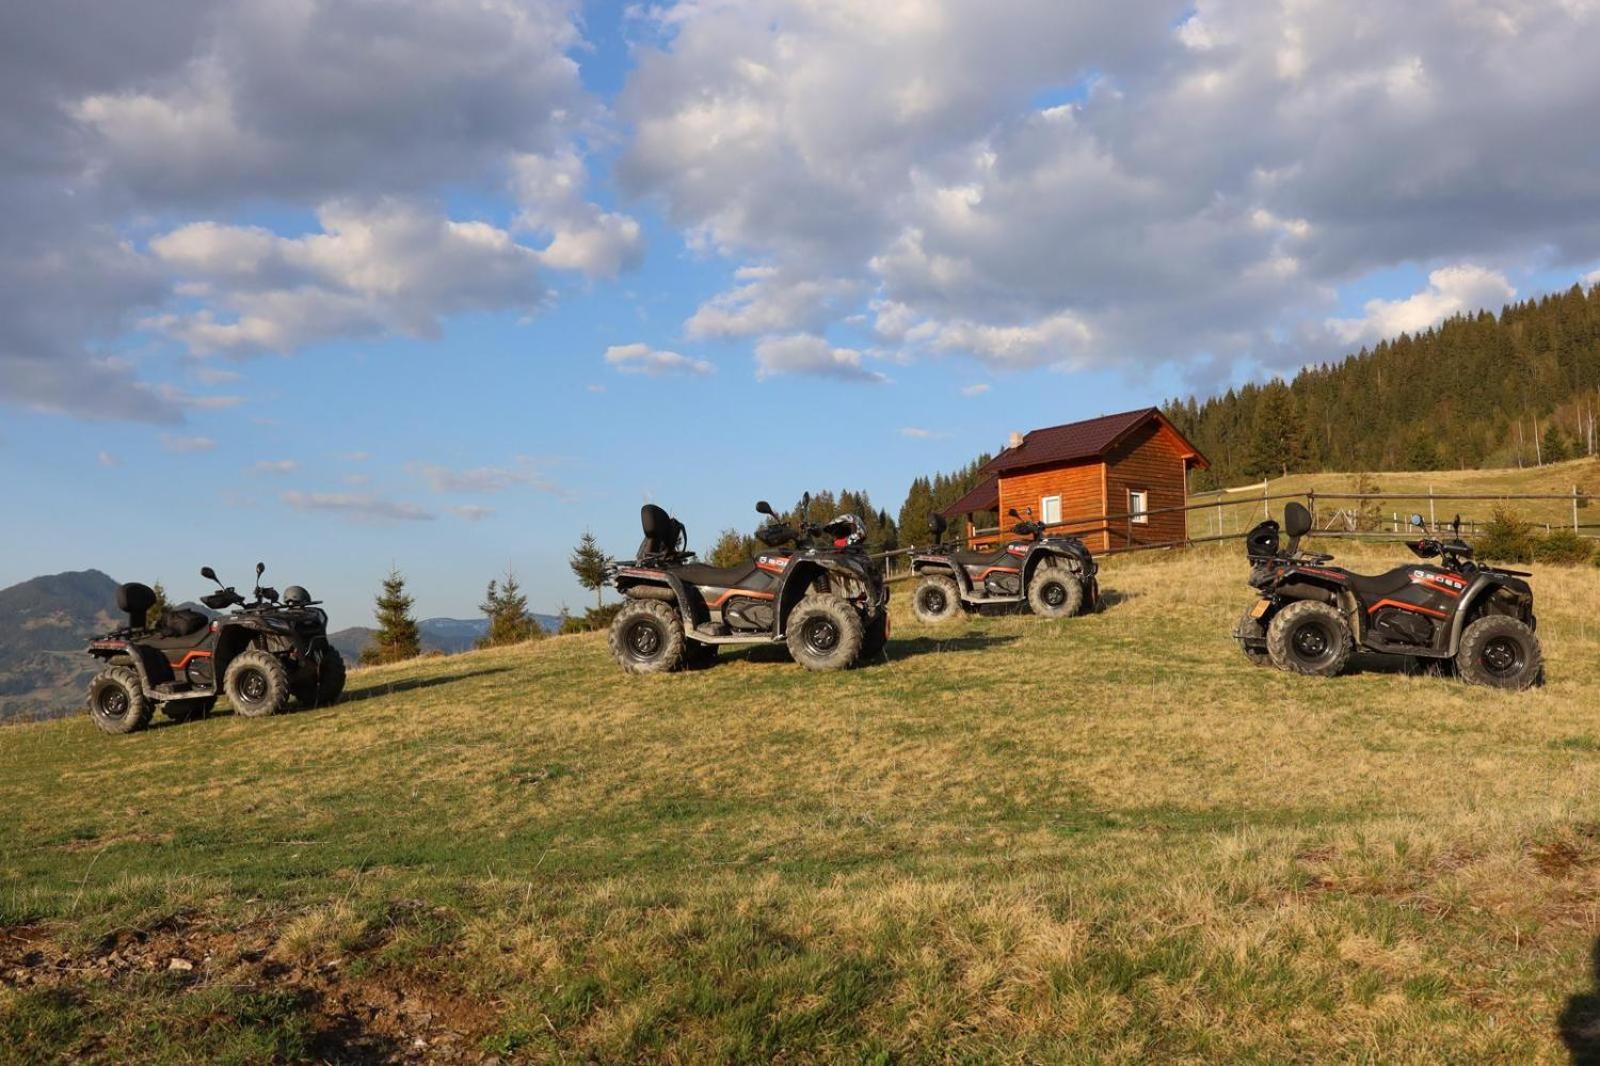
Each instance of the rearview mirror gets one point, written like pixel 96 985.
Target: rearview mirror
pixel 1456 525
pixel 937 524
pixel 763 507
pixel 1416 520
pixel 261 568
pixel 209 574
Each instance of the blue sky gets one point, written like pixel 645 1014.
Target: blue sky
pixel 361 317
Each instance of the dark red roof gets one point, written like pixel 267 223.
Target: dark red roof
pixel 1080 441
pixel 986 497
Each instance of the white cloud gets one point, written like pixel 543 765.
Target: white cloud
pixel 583 237
pixel 1450 291
pixel 107 459
pixel 768 301
pixel 975 390
pixel 1591 278
pixel 472 512
pixel 918 433
pixel 643 359
pixel 1221 171
pixel 389 267
pixel 359 506
pixel 179 445
pixel 276 466
pixel 808 354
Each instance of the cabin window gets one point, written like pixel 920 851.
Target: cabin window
pixel 1050 510
pixel 1138 505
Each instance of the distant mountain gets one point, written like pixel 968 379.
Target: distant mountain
pixel 44 625
pixel 446 635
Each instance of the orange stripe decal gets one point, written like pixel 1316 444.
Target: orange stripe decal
pixel 1407 607
pixel 189 657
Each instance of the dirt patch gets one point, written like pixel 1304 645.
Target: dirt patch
pixel 378 1017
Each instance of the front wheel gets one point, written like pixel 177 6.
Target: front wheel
pixel 117 701
pixel 1054 592
pixel 1308 637
pixel 1501 652
pixel 936 599
pixel 647 638
pixel 257 684
pixel 825 633
pixel 1252 638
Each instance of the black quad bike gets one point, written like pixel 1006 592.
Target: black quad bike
pixel 1053 575
pixel 821 595
pixel 1312 617
pixel 264 652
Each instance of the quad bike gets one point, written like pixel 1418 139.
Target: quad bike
pixel 1054 576
pixel 822 597
pixel 1312 617
pixel 265 652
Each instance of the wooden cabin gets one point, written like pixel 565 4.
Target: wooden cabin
pixel 1073 476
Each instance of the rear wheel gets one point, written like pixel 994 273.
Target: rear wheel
pixel 1252 638
pixel 257 684
pixel 1054 591
pixel 824 633
pixel 326 686
pixel 188 710
pixel 1500 651
pixel 936 599
pixel 117 701
pixel 647 638
pixel 875 636
pixel 1308 637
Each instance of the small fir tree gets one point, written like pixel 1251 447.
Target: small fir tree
pixel 589 564
pixel 397 638
pixel 152 617
pixel 507 611
pixel 1553 448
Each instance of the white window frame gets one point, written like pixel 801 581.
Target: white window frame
pixel 1139 506
pixel 1045 503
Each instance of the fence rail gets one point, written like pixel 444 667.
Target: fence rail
pixel 1390 527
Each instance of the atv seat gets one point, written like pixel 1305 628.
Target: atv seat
pixel 722 577
pixel 1378 586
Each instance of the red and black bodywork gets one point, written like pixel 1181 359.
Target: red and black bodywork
pixel 182 657
pixel 1003 576
pixel 1419 609
pixel 751 603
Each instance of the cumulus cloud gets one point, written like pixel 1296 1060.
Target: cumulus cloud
pixel 1138 183
pixel 804 353
pixel 201 109
pixel 643 359
pixel 389 267
pixel 358 506
pixel 1450 291
pixel 769 301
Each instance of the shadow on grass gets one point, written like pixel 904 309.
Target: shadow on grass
pixel 1110 598
pixel 1579 1023
pixel 411 684
pixel 910 649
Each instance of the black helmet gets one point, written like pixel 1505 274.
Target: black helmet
pixel 296 596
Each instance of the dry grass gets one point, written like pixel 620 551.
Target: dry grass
pixel 1109 839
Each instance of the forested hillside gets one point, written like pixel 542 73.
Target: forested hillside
pixel 1478 390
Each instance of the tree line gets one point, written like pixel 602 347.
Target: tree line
pixel 1515 389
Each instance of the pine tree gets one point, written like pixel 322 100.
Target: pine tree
pixel 152 617
pixel 731 549
pixel 1276 443
pixel 1554 445
pixel 507 611
pixel 589 564
pixel 397 638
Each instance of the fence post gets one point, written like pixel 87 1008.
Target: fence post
pixel 1433 521
pixel 1311 505
pixel 1574 508
pixel 1265 511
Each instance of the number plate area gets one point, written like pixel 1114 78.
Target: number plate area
pixel 1260 608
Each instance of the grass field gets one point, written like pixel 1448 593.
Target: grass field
pixel 1104 840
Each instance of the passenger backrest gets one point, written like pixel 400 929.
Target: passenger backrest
pixel 136 600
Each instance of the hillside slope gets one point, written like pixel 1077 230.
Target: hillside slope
pixel 44 624
pixel 1107 839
